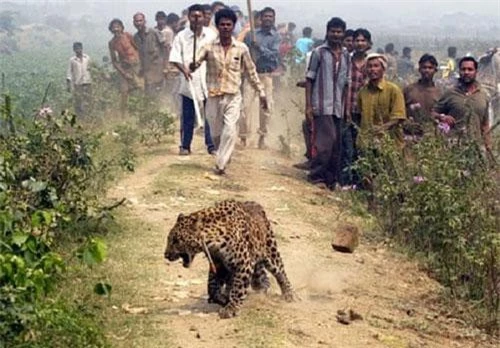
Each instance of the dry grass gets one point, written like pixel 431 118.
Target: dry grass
pixel 381 286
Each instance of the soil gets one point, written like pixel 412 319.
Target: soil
pixel 159 304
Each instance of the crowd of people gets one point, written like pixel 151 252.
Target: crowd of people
pixel 222 70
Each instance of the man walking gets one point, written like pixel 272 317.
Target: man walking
pixel 181 56
pixel 152 56
pixel 326 87
pixel 226 59
pixel 125 58
pixel 78 80
pixel 265 53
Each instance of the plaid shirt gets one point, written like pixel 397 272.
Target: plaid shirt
pixel 358 80
pixel 224 69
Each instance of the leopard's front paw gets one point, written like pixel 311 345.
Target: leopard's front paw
pixel 220 299
pixel 229 311
pixel 291 296
pixel 261 285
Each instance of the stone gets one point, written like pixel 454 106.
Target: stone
pixel 346 238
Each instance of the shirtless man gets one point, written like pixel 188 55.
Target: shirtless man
pixel 125 58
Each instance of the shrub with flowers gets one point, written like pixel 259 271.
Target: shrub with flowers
pixel 48 181
pixel 441 202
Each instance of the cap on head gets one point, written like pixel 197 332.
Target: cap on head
pixel 380 57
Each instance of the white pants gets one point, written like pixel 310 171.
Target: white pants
pixel 223 113
pixel 251 105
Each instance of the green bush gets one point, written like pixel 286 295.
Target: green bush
pixel 440 201
pixel 48 180
pixel 153 123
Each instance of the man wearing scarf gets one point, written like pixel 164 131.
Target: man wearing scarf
pixel 381 104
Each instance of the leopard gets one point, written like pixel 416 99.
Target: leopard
pixel 239 242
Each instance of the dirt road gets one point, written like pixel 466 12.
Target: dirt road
pixel 155 304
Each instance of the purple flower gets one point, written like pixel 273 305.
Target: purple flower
pixel 415 106
pixel 443 127
pixel 45 111
pixel 418 179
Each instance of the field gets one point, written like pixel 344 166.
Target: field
pixel 107 283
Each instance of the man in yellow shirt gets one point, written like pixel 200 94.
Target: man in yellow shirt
pixel 227 60
pixel 381 104
pixel 449 68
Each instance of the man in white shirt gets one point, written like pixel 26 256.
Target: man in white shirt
pixel 78 80
pixel 181 56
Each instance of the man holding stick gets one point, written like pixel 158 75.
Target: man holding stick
pixel 193 91
pixel 264 46
pixel 226 59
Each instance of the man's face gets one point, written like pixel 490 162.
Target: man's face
pixel 349 43
pixel 207 16
pixel 335 35
pixel 427 71
pixel 175 26
pixel 375 69
pixel 267 19
pixel 468 72
pixel 257 22
pixel 116 29
pixel 139 22
pixel 361 44
pixel 225 27
pixel 196 20
pixel 78 51
pixel 161 22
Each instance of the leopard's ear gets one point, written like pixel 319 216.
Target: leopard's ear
pixel 180 217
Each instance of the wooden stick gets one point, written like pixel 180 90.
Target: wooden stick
pixel 194 40
pixel 250 18
pixel 192 90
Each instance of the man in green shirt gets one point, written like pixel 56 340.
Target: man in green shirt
pixel 465 107
pixel 381 104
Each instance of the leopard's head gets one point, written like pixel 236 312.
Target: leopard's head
pixel 184 240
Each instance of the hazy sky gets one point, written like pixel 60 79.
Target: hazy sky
pixel 387 7
pixel 304 12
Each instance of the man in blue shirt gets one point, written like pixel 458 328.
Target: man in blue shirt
pixel 265 53
pixel 304 45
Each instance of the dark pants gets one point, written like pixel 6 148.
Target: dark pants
pixel 325 166
pixel 348 175
pixel 82 99
pixel 307 131
pixel 187 126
